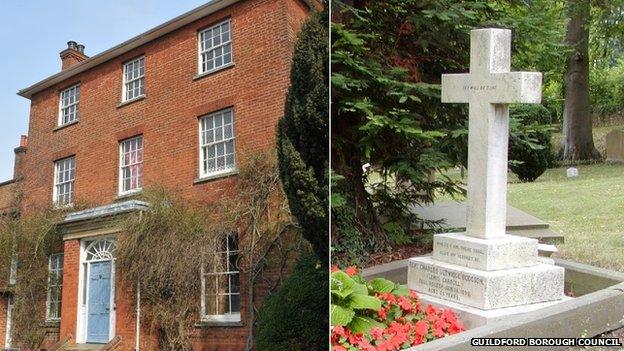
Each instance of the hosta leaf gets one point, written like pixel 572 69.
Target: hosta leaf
pixel 360 289
pixel 381 285
pixel 364 302
pixel 341 316
pixel 341 284
pixel 401 290
pixel 361 324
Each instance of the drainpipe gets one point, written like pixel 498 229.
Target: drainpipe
pixel 138 308
pixel 138 318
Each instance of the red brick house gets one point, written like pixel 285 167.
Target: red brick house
pixel 177 106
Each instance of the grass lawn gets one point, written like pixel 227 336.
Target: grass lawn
pixel 588 211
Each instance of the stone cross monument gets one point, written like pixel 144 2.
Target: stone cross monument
pixel 484 272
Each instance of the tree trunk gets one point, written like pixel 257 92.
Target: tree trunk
pixel 347 161
pixel 578 142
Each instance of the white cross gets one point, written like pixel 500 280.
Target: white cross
pixel 488 89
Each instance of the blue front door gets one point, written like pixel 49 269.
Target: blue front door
pixel 98 323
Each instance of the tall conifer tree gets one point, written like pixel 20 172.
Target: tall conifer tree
pixel 302 136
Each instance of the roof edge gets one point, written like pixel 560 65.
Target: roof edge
pixel 141 39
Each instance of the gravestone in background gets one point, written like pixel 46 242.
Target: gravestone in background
pixel 484 273
pixel 453 217
pixel 615 146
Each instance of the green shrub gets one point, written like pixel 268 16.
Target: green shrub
pixel 530 150
pixel 295 317
pixel 606 89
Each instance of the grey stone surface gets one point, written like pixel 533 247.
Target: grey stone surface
pixel 598 310
pixel 472 317
pixel 488 89
pixel 486 289
pixel 615 146
pixel 485 254
pixel 588 315
pixel 453 215
pixel 106 210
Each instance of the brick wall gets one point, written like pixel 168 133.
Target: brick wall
pixel 264 33
pixel 262 44
pixel 3 315
pixel 7 197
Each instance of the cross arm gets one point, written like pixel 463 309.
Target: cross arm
pixel 453 87
pixel 517 87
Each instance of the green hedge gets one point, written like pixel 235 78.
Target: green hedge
pixel 295 318
pixel 530 150
pixel 606 89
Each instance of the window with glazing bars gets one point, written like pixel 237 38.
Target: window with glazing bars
pixel 64 177
pixel 215 47
pixel 68 107
pixel 131 165
pixel 221 282
pixel 55 287
pixel 217 143
pixel 133 77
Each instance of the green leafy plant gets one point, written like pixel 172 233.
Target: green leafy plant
pixel 348 297
pixel 353 299
pixel 382 315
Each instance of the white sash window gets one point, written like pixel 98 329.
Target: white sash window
pixel 215 47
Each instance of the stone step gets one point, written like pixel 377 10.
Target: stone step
pixel 509 251
pixel 486 289
pixel 472 317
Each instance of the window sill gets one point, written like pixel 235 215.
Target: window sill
pixel 224 324
pixel 128 102
pixel 65 125
pixel 208 73
pixel 52 323
pixel 63 207
pixel 215 176
pixel 128 195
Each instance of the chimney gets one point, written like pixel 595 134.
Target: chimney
pixel 20 152
pixel 72 55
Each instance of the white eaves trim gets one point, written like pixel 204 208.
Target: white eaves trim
pixel 141 39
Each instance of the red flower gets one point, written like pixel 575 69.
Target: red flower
pixel 449 315
pixel 389 297
pixel 376 333
pixel 455 328
pixel 405 304
pixel 418 339
pixel 413 294
pixel 421 328
pixel 355 339
pixel 339 330
pixel 334 268
pixel 438 332
pixel 338 348
pixel 351 271
pixel 438 327
pixel 382 313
